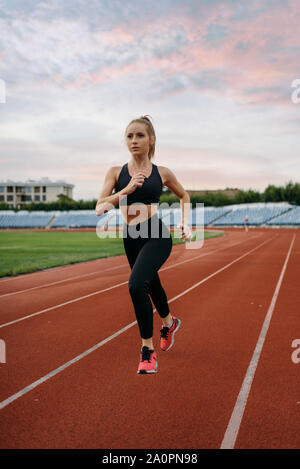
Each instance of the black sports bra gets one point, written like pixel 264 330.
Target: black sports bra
pixel 148 193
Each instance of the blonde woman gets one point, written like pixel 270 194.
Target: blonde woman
pixel 147 240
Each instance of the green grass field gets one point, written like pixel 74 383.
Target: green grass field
pixel 29 251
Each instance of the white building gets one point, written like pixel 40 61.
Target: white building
pixel 16 193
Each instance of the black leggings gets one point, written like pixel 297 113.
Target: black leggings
pixel 147 246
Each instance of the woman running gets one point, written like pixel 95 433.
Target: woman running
pixel 147 240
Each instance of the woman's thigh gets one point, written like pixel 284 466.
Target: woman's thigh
pixel 132 248
pixel 155 235
pixel 150 258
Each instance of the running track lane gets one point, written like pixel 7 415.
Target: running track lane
pixel 272 416
pixel 101 402
pixel 20 301
pixel 58 275
pixel 59 334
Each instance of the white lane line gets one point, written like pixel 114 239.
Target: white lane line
pixel 238 411
pixel 105 270
pixel 61 368
pixel 208 253
pixel 77 276
pixel 220 270
pixel 103 290
pixel 64 280
pixel 33 385
pixel 62 304
pixel 67 267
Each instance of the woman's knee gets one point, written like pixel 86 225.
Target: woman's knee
pixel 138 286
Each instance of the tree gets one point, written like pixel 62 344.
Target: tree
pixel 273 194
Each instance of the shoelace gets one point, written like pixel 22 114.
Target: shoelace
pixel 146 355
pixel 164 332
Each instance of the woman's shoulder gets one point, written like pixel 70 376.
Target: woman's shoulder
pixel 165 173
pixel 116 170
pixel 163 169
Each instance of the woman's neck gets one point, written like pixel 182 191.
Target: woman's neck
pixel 140 163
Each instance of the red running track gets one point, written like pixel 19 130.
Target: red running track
pixel 69 382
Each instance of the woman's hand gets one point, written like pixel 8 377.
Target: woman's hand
pixel 186 232
pixel 137 180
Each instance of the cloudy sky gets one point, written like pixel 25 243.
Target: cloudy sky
pixel 216 77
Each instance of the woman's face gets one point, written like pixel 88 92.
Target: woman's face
pixel 137 139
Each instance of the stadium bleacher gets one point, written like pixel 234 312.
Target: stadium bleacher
pixel 25 220
pixel 257 213
pixel 212 214
pixel 268 214
pixel 76 219
pixel 292 218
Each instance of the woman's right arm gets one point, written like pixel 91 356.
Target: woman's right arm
pixel 106 201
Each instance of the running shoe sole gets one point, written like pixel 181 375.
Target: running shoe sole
pixel 145 372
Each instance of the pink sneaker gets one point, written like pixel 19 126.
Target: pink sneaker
pixel 148 361
pixel 167 334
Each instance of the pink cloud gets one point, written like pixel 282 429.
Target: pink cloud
pixel 259 64
pixel 103 76
pixel 208 179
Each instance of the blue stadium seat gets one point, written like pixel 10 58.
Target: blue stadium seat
pixel 268 214
pixel 291 217
pixel 257 214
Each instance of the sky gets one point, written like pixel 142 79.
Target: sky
pixel 220 79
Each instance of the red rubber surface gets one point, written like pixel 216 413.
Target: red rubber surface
pixel 101 402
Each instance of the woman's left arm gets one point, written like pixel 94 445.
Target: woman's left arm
pixel 174 185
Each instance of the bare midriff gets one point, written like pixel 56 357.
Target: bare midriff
pixel 137 213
